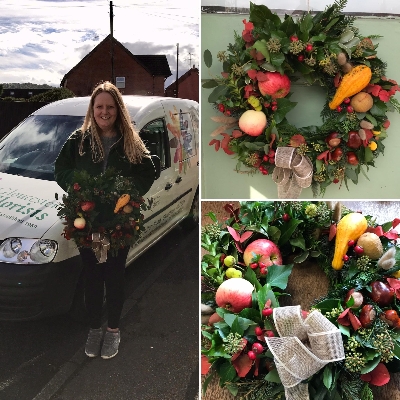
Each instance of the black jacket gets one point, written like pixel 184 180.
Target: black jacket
pixel 69 160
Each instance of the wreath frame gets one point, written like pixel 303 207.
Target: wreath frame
pixel 302 228
pixel 237 91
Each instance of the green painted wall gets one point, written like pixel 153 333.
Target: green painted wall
pixel 219 179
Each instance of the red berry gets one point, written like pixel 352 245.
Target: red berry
pixel 350 109
pixel 358 250
pixel 336 180
pixel 261 168
pixel 271 153
pixel 286 217
pixel 272 160
pixel 265 172
pixel 262 265
pixel 265 158
pixel 274 103
pixel 267 312
pixel 221 107
pixel 258 331
pixel 270 334
pixel 263 271
pixel 266 105
pixel 300 58
pixel 346 258
pixel 228 113
pixel 294 38
pixel 274 108
pixel 309 47
pixel 351 243
pixel 339 109
pixel 251 355
pixel 253 265
pixel 257 348
pixel 346 100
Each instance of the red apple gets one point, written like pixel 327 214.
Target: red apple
pixel 87 205
pixel 79 223
pixel 275 85
pixel 253 122
pixel 234 294
pixel 267 250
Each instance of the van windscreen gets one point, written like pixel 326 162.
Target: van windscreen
pixel 31 148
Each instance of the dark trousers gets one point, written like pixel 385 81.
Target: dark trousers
pixel 111 274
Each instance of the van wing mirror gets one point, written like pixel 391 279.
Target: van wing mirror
pixel 157 165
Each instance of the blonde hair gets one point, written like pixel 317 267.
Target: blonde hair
pixel 134 148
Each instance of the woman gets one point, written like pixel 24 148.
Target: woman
pixel 106 139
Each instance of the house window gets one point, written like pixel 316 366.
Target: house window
pixel 30 93
pixel 11 93
pixel 155 137
pixel 120 82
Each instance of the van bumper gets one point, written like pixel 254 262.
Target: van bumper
pixel 34 291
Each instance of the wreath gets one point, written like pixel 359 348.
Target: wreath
pixel 346 343
pixel 253 94
pixel 102 212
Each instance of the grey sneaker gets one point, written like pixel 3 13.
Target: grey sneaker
pixel 92 348
pixel 110 344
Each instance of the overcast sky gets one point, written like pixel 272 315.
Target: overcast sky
pixel 41 40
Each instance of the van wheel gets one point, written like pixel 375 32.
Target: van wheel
pixel 192 220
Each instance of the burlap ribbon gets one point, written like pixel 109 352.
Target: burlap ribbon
pixel 303 348
pixel 292 173
pixel 100 246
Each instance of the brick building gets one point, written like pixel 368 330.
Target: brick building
pixel 134 74
pixel 188 86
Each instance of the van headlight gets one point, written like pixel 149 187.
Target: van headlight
pixel 28 251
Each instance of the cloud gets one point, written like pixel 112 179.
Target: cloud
pixel 45 39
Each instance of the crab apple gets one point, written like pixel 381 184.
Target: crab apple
pixel 253 122
pixel 349 109
pixel 252 355
pixel 79 223
pixel 286 217
pixel 358 250
pixel 346 100
pixel 275 85
pixel 266 312
pixel 258 331
pixel 351 243
pixel 229 261
pixel 234 294
pixel 267 250
pixel 257 348
pixel 309 47
pixel 339 109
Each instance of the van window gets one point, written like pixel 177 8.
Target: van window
pixel 155 136
pixel 31 149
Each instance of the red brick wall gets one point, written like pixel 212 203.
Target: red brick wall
pixel 188 88
pixel 97 67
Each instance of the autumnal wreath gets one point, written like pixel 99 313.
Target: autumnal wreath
pixel 348 340
pixel 253 94
pixel 102 212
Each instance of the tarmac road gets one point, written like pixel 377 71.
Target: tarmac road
pixel 158 357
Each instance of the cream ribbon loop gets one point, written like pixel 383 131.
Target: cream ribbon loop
pixel 100 246
pixel 293 172
pixel 303 348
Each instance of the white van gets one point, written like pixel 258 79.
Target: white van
pixel 41 271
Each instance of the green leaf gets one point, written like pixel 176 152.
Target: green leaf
pixel 318 164
pixel 226 371
pixel 371 119
pixel 352 174
pixel 327 377
pixel 273 376
pixel 287 230
pixel 298 242
pixel 344 330
pixel 251 276
pixel 207 58
pixel 396 349
pixel 218 92
pixel 327 305
pixel 209 84
pixel 369 366
pixel 278 275
pixel 274 233
pixel 306 24
pixel 284 106
pixel 237 324
pixel 368 155
pixel 301 257
pixel 261 46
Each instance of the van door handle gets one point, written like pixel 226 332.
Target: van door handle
pixel 178 179
pixel 168 186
